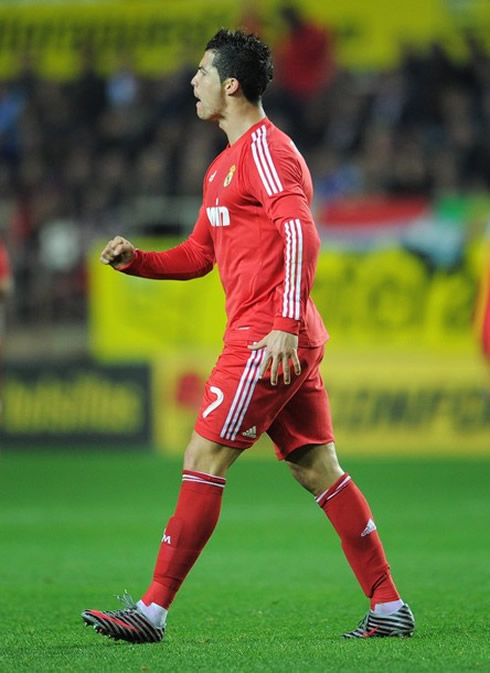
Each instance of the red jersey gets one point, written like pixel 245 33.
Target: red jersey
pixel 255 223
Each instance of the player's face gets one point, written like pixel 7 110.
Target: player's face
pixel 208 89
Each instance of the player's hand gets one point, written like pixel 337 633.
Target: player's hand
pixel 118 253
pixel 281 348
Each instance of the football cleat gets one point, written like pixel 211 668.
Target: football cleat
pixel 399 624
pixel 126 624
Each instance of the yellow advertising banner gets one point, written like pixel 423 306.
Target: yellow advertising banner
pixel 384 300
pixel 74 403
pixel 158 37
pixel 408 403
pixel 402 368
pixel 381 405
pixel 136 318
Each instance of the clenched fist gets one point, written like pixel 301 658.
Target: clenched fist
pixel 118 253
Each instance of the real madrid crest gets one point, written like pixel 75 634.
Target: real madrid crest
pixel 229 177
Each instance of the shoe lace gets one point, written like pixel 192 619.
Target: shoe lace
pixel 127 600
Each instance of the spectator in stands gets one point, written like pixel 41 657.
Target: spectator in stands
pixel 12 103
pixel 304 65
pixel 88 151
pixel 89 90
pixel 6 286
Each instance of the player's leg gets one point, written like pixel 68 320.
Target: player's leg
pixel 236 408
pixel 317 469
pixel 184 537
pixel 304 437
pixel 219 438
pixel 314 466
pixel 193 522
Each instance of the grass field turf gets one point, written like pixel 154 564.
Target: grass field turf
pixel 272 591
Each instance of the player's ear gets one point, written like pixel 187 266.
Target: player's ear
pixel 232 85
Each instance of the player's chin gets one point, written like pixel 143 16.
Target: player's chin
pixel 204 114
pixel 204 117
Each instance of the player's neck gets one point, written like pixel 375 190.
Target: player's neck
pixel 239 119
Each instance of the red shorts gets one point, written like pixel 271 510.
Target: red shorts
pixel 237 407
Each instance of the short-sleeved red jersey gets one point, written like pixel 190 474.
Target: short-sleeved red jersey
pixel 255 223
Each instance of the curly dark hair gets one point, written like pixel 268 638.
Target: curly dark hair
pixel 245 57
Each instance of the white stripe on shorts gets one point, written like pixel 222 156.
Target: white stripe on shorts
pixel 243 395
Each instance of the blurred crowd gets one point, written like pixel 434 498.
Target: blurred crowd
pixel 86 159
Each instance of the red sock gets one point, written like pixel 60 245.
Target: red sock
pixel 187 531
pixel 350 515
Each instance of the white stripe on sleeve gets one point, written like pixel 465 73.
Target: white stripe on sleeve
pixel 264 162
pixel 269 162
pixel 258 164
pixel 299 268
pixel 287 270
pixel 293 263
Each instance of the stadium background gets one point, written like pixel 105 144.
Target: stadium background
pixel 102 373
pixel 99 138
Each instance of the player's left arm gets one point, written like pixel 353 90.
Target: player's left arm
pixel 280 189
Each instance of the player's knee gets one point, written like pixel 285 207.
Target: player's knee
pixel 191 459
pixel 315 467
pixel 327 466
pixel 303 476
pixel 329 457
pixel 198 458
pixel 202 455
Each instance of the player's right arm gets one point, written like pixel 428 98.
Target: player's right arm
pixel 118 253
pixel 191 259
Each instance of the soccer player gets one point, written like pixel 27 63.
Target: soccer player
pixel 255 223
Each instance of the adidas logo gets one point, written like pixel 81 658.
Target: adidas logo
pixel 251 433
pixel 370 528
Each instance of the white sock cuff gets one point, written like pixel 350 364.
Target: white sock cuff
pixel 387 608
pixel 155 613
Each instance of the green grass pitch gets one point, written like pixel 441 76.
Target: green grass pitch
pixel 272 591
